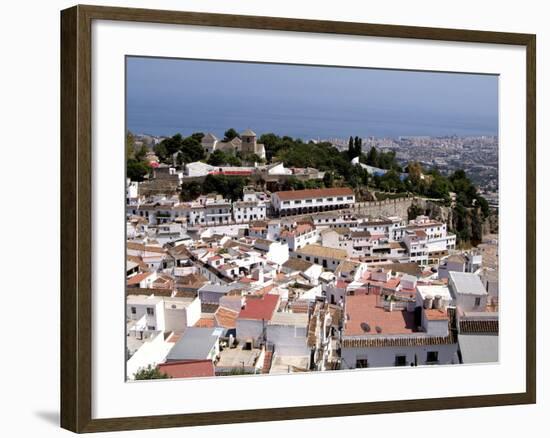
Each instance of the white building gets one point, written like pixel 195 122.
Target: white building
pixel 246 143
pixel 276 252
pixel 328 258
pixel 469 292
pixel 253 318
pixel 246 211
pixel 288 332
pixel 298 236
pixel 167 314
pixel 375 337
pixel 309 201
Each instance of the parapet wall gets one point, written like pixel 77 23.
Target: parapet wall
pixel 388 207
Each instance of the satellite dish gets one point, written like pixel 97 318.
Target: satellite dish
pixel 365 327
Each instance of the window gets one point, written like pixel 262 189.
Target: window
pixel 133 310
pixel 349 198
pixel 400 361
pixel 361 363
pixel 339 198
pixel 478 301
pixel 432 357
pixel 329 199
pixel 150 311
pixel 150 327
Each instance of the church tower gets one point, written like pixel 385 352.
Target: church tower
pixel 248 139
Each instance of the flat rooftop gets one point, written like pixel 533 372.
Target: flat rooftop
pixel 289 364
pixel 362 310
pixel 466 283
pixel 433 290
pixel 287 318
pixel 237 357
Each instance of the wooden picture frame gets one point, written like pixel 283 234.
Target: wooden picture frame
pixel 76 219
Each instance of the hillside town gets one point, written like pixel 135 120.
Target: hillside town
pixel 271 281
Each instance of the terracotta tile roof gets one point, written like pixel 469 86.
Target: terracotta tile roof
pixel 398 342
pixel 185 294
pixel 205 323
pixel 318 314
pixel 362 309
pixel 323 251
pixel 479 326
pixel 183 369
pixel 138 278
pixel 298 230
pixel 140 247
pixel 260 309
pixel 149 291
pixel 268 358
pixel 416 339
pixel 406 268
pixel 297 265
pixel 435 314
pixel 225 317
pixel 313 193
pixel 335 313
pixel 138 260
pixel 209 307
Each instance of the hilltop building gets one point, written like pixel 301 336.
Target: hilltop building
pixel 246 143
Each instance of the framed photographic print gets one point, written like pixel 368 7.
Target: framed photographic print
pixel 269 218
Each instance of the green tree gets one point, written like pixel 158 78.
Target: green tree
pixel 228 186
pixel 161 151
pixel 136 170
pixel 351 148
pixel 250 158
pixel 220 158
pixel 172 144
pixel 129 145
pixel 483 205
pixel 230 134
pixel 191 150
pixel 293 183
pixel 197 136
pixel 328 179
pixel 141 153
pixel 372 157
pixel 358 146
pixel 439 187
pixel 190 191
pixel 150 373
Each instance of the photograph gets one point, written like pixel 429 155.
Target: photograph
pixel 286 218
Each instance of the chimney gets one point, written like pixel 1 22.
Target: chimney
pixel 428 302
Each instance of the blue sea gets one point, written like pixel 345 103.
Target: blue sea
pixel 166 96
pixel 317 123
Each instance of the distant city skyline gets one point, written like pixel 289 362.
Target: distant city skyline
pixel 166 96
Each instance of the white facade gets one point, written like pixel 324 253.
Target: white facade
pixel 151 352
pixel 308 201
pixel 288 332
pixel 246 211
pixel 468 290
pixel 250 330
pixel 392 356
pixel 150 313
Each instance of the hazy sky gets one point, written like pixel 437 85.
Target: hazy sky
pixel 165 96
